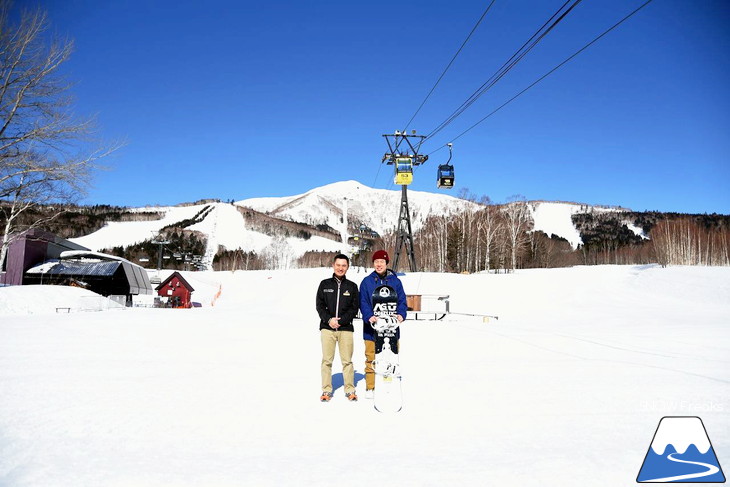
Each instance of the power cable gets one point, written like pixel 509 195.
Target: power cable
pixel 550 72
pixel 540 34
pixel 449 65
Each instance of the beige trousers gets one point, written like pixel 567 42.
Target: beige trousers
pixel 330 339
pixel 369 370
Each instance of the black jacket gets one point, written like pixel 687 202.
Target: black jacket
pixel 337 298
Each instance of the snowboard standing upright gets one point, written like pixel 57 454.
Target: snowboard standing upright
pixel 388 394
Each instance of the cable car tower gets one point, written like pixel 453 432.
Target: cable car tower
pixel 403 156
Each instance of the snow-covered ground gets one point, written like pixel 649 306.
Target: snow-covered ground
pixel 44 300
pixel 566 388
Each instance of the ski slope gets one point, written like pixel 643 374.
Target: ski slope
pixel 224 226
pixel 376 208
pixel 117 234
pixel 556 218
pixel 565 388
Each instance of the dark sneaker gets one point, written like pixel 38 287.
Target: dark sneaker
pixel 351 396
pixel 326 396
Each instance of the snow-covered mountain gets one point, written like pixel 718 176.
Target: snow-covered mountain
pixel 223 224
pixel 377 209
pixel 226 225
pixel 555 218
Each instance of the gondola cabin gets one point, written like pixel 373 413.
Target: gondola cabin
pixel 403 171
pixel 445 176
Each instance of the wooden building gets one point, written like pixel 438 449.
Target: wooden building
pixel 177 291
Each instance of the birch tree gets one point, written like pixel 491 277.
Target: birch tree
pixel 45 154
pixel 489 226
pixel 517 222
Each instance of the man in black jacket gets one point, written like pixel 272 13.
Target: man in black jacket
pixel 337 305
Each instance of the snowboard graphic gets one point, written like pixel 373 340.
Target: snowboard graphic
pixel 388 395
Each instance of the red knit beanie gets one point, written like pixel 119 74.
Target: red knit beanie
pixel 381 254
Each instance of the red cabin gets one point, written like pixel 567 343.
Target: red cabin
pixel 177 291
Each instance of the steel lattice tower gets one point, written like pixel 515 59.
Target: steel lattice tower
pixel 405 233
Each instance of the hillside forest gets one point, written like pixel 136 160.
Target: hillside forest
pixel 482 237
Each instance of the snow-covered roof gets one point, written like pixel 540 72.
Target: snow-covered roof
pixel 70 268
pixel 134 274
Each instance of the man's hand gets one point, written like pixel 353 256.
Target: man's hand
pixel 334 323
pixel 373 319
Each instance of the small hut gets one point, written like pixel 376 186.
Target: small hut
pixel 177 291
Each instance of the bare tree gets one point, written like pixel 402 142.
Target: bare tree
pixel 517 220
pixel 44 154
pixel 683 241
pixel 279 254
pixel 489 226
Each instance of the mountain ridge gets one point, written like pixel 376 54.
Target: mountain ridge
pixel 313 221
pixel 304 228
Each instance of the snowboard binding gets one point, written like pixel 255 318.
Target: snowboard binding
pixel 385 323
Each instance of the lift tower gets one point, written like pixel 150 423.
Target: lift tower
pixel 403 155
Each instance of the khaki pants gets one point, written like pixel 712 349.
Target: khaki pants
pixel 330 339
pixel 369 359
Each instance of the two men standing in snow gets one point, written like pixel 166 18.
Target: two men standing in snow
pixel 337 304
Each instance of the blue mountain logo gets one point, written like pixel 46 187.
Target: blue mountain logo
pixel 681 452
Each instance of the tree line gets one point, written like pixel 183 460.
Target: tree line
pixel 487 237
pixel 501 238
pixel 684 241
pixel 178 254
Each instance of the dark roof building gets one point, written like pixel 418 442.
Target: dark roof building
pixel 105 277
pixel 29 249
pixel 39 257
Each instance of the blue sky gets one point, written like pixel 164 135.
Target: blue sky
pixel 239 99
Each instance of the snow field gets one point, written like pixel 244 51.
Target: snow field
pixel 115 234
pixel 567 387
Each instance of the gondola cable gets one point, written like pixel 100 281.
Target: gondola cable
pixel 449 65
pixel 437 83
pixel 539 35
pixel 549 72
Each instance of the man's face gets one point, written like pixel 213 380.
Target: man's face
pixel 340 267
pixel 380 265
